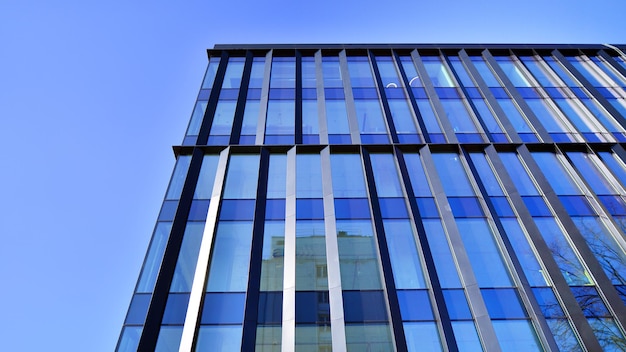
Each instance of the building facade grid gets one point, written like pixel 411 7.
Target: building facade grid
pixel 394 198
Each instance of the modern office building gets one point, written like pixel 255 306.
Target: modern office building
pixel 394 198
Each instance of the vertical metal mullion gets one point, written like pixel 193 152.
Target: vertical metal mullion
pixel 563 291
pixel 289 257
pixel 468 99
pixel 545 335
pixel 477 305
pixel 429 260
pixel 440 112
pixel 298 117
pixel 604 284
pixel 409 91
pixel 533 120
pixel 321 98
pixel 209 113
pixel 241 100
pixel 590 88
pixel 196 298
pixel 500 116
pixel 251 311
pixel 161 291
pixel 337 322
pixel 355 134
pixel 390 286
pixel 265 92
pixel 383 98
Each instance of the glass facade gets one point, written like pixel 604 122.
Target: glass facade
pixel 393 198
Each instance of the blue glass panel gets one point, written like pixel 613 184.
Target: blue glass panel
pixel 334 93
pixel 552 169
pixel 175 308
pixel 502 207
pixel 589 301
pixel 614 204
pixel 169 339
pixel 280 117
pixel 452 174
pixel 312 307
pixel 204 186
pixel 457 304
pixel 621 290
pixel 422 337
pixel 308 176
pixel 560 137
pixel 365 93
pixel 352 208
pixel 415 305
pixel 419 93
pixel 282 94
pixel 528 137
pixel 458 67
pixel 534 272
pixel 395 93
pixel 577 205
pixel 211 71
pixel 138 309
pixel 448 93
pixel 536 206
pixel 444 262
pixel 385 175
pixel 187 258
pixel 277 176
pixel 427 207
pixel 466 337
pixel 548 303
pixel 241 178
pixel 364 306
pixel 503 303
pixel 473 93
pixel 470 137
pixel 358 255
pixel 374 139
pixel 596 179
pixel 339 139
pixel 247 140
pixel 459 116
pixel 190 140
pixel 309 93
pixel 198 210
pixel 310 139
pixel 196 118
pixel 528 93
pixel 483 252
pixel 230 262
pixel 270 308
pixel 465 207
pixel 499 138
pixel 555 93
pixel 129 341
pixel 565 337
pixel 223 308
pixel 409 139
pixel 437 138
pixel 228 94
pixel 154 257
pixel 516 336
pixel 239 209
pixel 405 260
pixel 347 175
pixel 518 174
pixel 275 209
pixel 254 94
pixel 168 210
pixel 309 209
pixel 219 338
pixel 393 208
pixel 218 140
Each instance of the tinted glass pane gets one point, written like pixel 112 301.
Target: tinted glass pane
pixel 312 307
pixel 503 303
pixel 138 309
pixel 386 175
pixel 437 239
pixel 465 207
pixel 231 257
pixel 364 306
pixel 129 341
pixel 268 338
pixel 198 210
pixel 518 174
pixel 223 308
pixel 196 118
pixel 169 339
pixel 270 307
pixel 275 209
pixel 375 337
pixel 241 179
pixel 576 205
pixel 209 76
pixel 452 175
pixel 308 176
pixel 466 336
pixel 337 117
pixel 347 175
pixel 422 337
pixel 273 254
pixel 402 116
pixel 188 258
pixel 223 118
pixel 393 208
pixel 204 186
pixel 280 117
pixel 405 261
pixel 309 209
pixel 176 308
pixel 311 271
pixel 219 338
pixel 237 209
pixel 352 208
pixel 415 305
pixel 489 181
pixel 534 272
pixel 358 257
pixel 457 304
pixel 555 173
pixel 548 303
pixel 178 177
pixel 152 264
pixel 516 335
pixel 277 176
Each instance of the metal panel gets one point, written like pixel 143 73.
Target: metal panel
pixel 355 134
pixel 194 309
pixel 265 93
pixel 289 274
pixel 241 100
pixel 391 128
pixel 321 98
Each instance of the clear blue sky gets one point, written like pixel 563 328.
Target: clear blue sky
pixel 93 94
